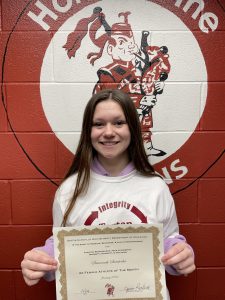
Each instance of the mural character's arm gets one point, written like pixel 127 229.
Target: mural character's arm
pixel 105 81
pixel 154 73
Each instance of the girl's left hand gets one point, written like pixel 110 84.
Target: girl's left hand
pixel 181 257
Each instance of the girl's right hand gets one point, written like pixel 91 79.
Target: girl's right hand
pixel 35 265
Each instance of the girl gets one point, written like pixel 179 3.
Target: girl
pixel 109 181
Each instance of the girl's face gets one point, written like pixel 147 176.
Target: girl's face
pixel 110 134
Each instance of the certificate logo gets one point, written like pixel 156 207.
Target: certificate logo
pixel 155 52
pixel 109 289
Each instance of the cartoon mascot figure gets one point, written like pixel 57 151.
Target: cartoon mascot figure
pixel 140 72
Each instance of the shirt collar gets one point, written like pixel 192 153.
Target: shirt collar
pixel 99 169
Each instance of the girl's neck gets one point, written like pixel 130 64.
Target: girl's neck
pixel 113 166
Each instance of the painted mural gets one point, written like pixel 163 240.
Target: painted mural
pixel 154 54
pixel 169 56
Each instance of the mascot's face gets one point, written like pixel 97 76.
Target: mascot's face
pixel 124 49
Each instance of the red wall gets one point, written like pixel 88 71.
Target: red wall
pixel 26 196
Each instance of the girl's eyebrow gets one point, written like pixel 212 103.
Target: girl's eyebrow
pixel 111 121
pixel 114 118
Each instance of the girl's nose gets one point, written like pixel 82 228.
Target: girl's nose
pixel 109 130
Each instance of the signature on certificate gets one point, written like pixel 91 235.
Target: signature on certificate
pixel 137 289
pixel 85 292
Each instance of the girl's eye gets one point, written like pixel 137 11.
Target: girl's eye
pixel 120 123
pixel 98 124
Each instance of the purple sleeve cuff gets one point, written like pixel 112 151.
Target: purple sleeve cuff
pixel 49 249
pixel 168 243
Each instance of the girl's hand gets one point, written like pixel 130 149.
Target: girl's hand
pixel 181 257
pixel 35 265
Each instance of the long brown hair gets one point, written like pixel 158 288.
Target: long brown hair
pixel 85 152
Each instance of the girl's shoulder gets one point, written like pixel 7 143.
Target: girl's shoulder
pixel 154 178
pixel 68 185
pixel 154 182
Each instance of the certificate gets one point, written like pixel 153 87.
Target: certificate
pixel 109 262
